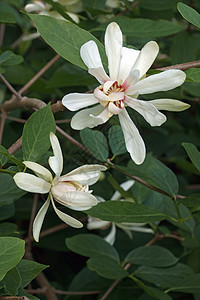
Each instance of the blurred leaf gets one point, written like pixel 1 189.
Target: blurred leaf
pixel 8 58
pixel 194 74
pixel 91 245
pixel 28 270
pixel 7 228
pixel 35 136
pixel 6 17
pixel 154 173
pixel 8 190
pixel 11 282
pixel 6 155
pixel 107 267
pixel 143 27
pixel 193 154
pixel 189 13
pixel 192 200
pixel 116 140
pixel 60 9
pixel 154 256
pixel 95 141
pixel 188 285
pixel 164 277
pixel 93 5
pixel 65 38
pixel 11 251
pixel 7 211
pixel 154 5
pixel 123 211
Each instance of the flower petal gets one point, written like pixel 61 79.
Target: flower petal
pixel 125 186
pixel 85 175
pixel 134 142
pixel 170 104
pixel 76 101
pixel 130 81
pixel 38 221
pixel 31 183
pixel 94 223
pixel 39 170
pixel 110 238
pixel 74 199
pixel 66 218
pixel 113 45
pixel 88 118
pixel 99 74
pixel 37 6
pixel 164 81
pixel 146 57
pixel 147 110
pixel 56 161
pixel 90 55
pixel 128 58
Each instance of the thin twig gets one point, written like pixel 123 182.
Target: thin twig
pixel 17 42
pixel 15 119
pixel 183 67
pixel 16 146
pixel 9 86
pixel 59 292
pixel 3 117
pixel 2 31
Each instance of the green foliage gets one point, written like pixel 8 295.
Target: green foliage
pixel 8 58
pixel 189 13
pixel 35 137
pixel 193 154
pixel 116 140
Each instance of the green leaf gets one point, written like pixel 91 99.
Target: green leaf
pixel 94 5
pixel 192 200
pixel 28 270
pixel 193 74
pixel 6 17
pixel 143 27
pixel 107 267
pixel 189 13
pixel 164 277
pixel 188 285
pixel 11 251
pixel 8 190
pixel 65 38
pixel 35 137
pixel 7 157
pixel 7 211
pixel 8 58
pixel 193 154
pixel 91 245
pixel 154 256
pixel 154 5
pixel 7 228
pixel 123 211
pixel 155 173
pixel 116 140
pixel 11 282
pixel 95 141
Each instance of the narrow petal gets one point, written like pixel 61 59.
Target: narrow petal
pixel 31 183
pixel 170 104
pixel 88 118
pixel 128 58
pixel 100 95
pixel 113 45
pixel 110 238
pixel 125 186
pixel 134 143
pixel 66 218
pixel 146 57
pixel 164 81
pixel 113 109
pixel 130 81
pixel 56 161
pixel 38 221
pixel 85 175
pixel 73 199
pixel 39 170
pixel 76 101
pixel 147 110
pixel 94 223
pixel 37 6
pixel 90 55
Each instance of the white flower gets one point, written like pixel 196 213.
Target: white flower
pixel 94 223
pixel 127 69
pixel 70 190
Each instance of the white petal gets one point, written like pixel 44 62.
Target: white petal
pixel 164 81
pixel 103 116
pixel 37 224
pixel 76 101
pixel 85 118
pixel 130 81
pixel 94 223
pixel 74 199
pixel 134 142
pixel 147 110
pixel 66 218
pixel 110 238
pixel 39 170
pixel 90 55
pixel 113 109
pixel 125 186
pixel 128 58
pixel 85 175
pixel 107 85
pixel 37 6
pixel 56 161
pixel 31 183
pixel 100 95
pixel 146 57
pixel 170 104
pixel 113 45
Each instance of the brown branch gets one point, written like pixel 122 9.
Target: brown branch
pixel 183 67
pixel 3 117
pixel 16 146
pixel 9 86
pixel 58 106
pixel 2 31
pixel 14 298
pixel 59 292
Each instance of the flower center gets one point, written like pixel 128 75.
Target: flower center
pixel 111 95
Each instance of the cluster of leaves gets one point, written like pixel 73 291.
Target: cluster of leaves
pixel 169 269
